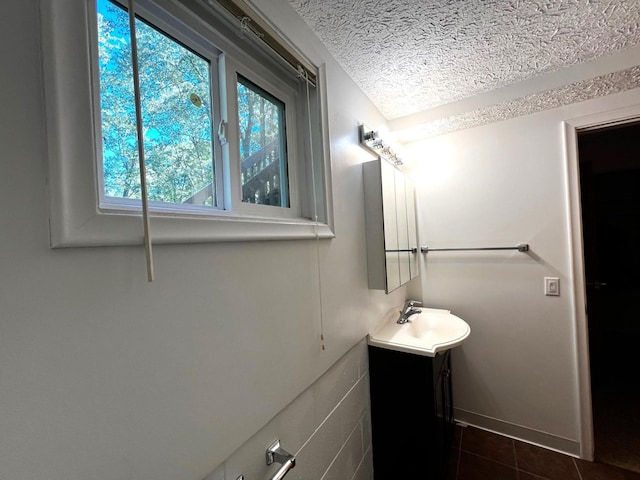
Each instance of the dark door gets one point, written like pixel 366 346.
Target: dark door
pixel 610 194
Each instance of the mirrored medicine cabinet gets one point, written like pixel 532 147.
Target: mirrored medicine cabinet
pixel 390 218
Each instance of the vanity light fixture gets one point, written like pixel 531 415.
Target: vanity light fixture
pixel 370 140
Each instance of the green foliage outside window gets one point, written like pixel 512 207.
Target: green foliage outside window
pixel 176 109
pixel 262 146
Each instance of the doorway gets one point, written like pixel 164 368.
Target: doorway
pixel 609 173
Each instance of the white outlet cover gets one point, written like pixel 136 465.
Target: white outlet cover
pixel 551 286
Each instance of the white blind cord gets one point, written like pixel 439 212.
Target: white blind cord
pixel 305 77
pixel 140 134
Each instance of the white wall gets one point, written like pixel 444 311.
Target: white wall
pixel 500 185
pixel 105 376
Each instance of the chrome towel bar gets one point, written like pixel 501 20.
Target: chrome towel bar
pixel 521 247
pixel 410 250
pixel 276 454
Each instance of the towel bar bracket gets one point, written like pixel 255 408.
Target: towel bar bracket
pixel 276 454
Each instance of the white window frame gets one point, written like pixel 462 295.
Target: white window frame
pixel 170 26
pixel 230 68
pixel 72 107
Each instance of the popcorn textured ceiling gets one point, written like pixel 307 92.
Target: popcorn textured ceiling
pixel 412 55
pixel 573 93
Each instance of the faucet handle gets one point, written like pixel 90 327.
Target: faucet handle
pixel 408 310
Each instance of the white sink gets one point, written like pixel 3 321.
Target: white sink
pixel 426 333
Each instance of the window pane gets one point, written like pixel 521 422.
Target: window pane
pixel 263 153
pixel 176 108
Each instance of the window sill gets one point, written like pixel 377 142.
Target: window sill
pixel 109 229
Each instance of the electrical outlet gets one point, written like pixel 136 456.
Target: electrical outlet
pixel 552 286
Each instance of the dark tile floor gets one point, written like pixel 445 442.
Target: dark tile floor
pixel 481 455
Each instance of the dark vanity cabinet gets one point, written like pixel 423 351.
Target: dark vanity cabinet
pixel 411 414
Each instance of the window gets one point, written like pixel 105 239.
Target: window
pixel 176 88
pixel 263 149
pixel 228 153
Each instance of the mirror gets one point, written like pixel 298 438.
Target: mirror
pixel 391 235
pixel 390 218
pixel 412 229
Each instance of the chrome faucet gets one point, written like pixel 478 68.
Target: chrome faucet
pixel 408 310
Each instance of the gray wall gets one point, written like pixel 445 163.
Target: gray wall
pixel 327 427
pixel 105 376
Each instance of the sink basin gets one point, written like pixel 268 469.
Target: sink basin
pixel 426 333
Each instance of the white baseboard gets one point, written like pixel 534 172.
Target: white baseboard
pixel 518 432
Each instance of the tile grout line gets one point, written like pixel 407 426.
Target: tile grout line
pixel 361 463
pixel 344 444
pixel 515 458
pixel 363 453
pixel 333 410
pixel 511 467
pixel 535 475
pixel 577 469
pixel 516 465
pixel 491 460
pixel 459 454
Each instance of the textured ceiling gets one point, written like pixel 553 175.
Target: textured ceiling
pixel 409 56
pixel 572 93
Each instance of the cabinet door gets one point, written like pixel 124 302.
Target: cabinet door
pixel 390 223
pixel 412 228
pixel 389 209
pixel 444 413
pixel 403 227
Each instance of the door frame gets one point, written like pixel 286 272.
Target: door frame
pixel 570 129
